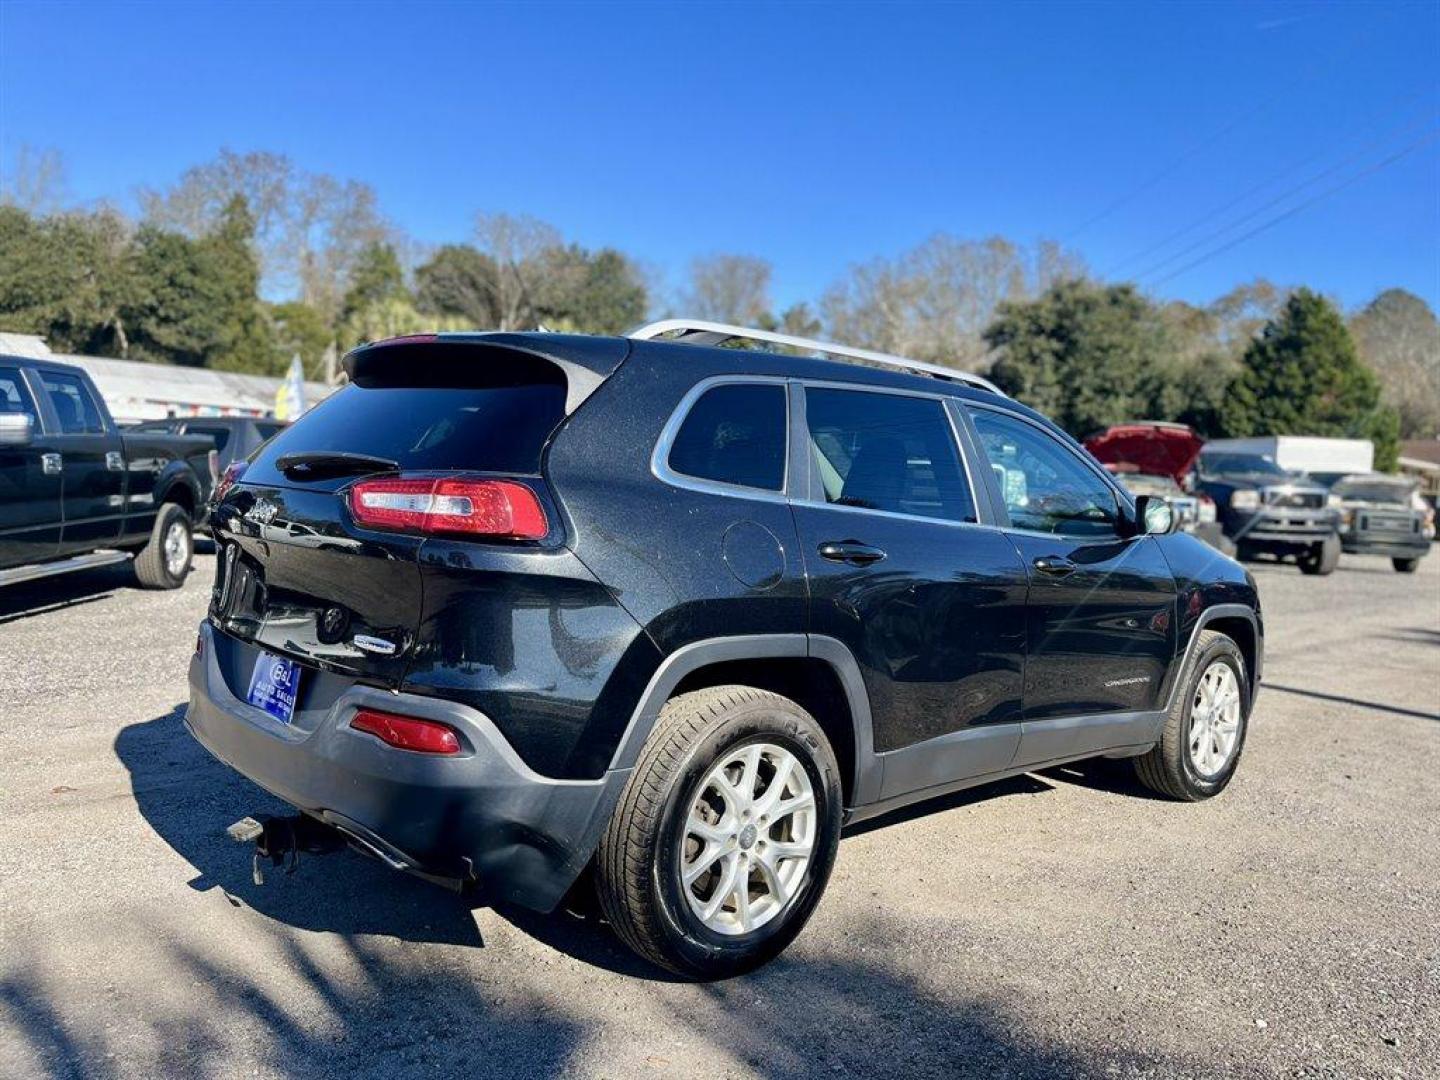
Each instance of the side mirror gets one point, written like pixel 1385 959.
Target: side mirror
pixel 16 429
pixel 1154 516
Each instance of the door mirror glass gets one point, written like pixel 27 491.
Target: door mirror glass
pixel 16 429
pixel 1156 517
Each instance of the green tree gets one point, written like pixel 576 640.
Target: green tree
pixel 244 341
pixel 299 329
pixel 68 278
pixel 377 304
pixel 599 293
pixel 459 280
pixel 1303 376
pixel 1088 355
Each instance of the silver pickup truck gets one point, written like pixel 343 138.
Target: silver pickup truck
pixel 76 492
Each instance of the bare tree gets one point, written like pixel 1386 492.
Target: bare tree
pixel 309 227
pixel 1399 338
pixel 729 289
pixel 934 301
pixel 36 183
pixel 518 244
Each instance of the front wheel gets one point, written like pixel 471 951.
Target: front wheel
pixel 1405 566
pixel 1322 558
pixel 1200 744
pixel 165 560
pixel 725 834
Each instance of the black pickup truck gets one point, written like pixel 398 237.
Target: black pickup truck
pixel 76 492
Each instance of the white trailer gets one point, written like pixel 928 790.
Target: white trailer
pixel 1303 453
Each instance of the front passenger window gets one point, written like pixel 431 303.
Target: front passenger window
pixel 1046 487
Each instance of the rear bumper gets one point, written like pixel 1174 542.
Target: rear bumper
pixel 480 815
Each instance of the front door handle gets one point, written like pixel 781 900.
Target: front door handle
pixel 114 461
pixel 850 551
pixel 52 464
pixel 1055 565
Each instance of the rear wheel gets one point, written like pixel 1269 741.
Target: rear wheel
pixel 725 835
pixel 1322 558
pixel 1204 734
pixel 165 559
pixel 1405 566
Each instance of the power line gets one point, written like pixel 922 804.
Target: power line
pixel 1276 200
pixel 1317 68
pixel 1403 100
pixel 1277 219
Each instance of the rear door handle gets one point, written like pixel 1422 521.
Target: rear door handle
pixel 850 551
pixel 1055 565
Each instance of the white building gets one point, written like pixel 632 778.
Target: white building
pixel 138 391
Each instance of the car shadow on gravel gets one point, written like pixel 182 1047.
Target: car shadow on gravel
pixel 382 1007
pixel 188 798
pixel 64 590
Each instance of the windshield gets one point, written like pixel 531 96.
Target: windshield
pixel 1373 491
pixel 1238 465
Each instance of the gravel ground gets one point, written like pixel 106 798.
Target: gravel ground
pixel 1058 924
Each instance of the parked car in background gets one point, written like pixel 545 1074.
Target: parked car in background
pixel 76 492
pixel 235 437
pixel 508 606
pixel 1267 510
pixel 1380 515
pixel 1153 457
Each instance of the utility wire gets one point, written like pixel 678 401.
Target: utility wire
pixel 1276 200
pixel 1403 100
pixel 1316 69
pixel 1277 219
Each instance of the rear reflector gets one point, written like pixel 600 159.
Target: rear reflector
pixel 449 505
pixel 407 733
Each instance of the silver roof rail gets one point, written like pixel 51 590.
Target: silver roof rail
pixel 702 332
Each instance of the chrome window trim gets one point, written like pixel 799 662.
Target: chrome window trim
pixel 660 458
pixel 955 441
pixel 1122 497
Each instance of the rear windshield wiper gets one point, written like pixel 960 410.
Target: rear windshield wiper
pixel 316 463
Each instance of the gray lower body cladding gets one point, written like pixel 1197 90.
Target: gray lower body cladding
pixel 481 814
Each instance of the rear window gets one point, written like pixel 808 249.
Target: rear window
pixel 221 435
pixel 482 429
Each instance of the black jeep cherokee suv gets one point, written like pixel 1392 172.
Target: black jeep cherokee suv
pixel 510 605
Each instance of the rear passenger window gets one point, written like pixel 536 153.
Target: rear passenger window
pixel 734 434
pixel 79 415
pixel 887 452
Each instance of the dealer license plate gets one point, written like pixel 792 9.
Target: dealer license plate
pixel 274 684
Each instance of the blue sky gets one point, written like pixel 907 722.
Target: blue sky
pixel 814 135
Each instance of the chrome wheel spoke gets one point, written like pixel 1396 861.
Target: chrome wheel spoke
pixel 748 835
pixel 1215 718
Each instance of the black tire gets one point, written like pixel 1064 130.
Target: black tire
pixel 1406 566
pixel 1244 552
pixel 154 568
pixel 1168 768
pixel 1322 558
pixel 638 864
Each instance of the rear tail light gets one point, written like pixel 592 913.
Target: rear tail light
pixel 449 505
pixel 213 460
pixel 1207 508
pixel 407 732
pixel 228 479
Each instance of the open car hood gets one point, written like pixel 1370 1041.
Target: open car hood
pixel 1163 449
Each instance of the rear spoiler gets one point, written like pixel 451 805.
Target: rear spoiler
pixel 493 359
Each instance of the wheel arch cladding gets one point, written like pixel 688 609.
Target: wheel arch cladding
pixel 1240 630
pixel 810 682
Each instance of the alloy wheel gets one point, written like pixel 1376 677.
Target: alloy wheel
pixel 748 839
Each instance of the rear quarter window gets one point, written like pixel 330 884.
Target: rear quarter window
pixel 734 434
